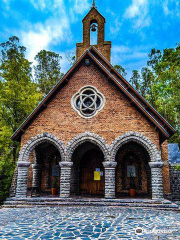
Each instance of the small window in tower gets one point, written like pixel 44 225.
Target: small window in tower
pixel 93 32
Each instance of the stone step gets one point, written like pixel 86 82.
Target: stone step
pixel 56 199
pixel 27 203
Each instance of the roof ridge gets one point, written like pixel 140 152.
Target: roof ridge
pixel 44 102
pixel 132 96
pixel 135 91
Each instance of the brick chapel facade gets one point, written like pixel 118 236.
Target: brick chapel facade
pixel 93 132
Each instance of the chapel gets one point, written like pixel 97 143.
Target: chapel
pixel 93 135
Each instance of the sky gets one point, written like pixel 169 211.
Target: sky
pixel 133 26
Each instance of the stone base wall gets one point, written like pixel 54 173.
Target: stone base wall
pixel 12 191
pixel 175 183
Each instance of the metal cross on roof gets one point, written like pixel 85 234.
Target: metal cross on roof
pixel 93 5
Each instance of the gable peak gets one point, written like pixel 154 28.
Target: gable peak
pixel 94 34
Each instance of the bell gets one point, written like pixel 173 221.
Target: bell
pixel 93 28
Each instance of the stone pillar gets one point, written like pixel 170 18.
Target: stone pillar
pixel 65 179
pixel 109 168
pixel 21 190
pixel 157 180
pixel 36 175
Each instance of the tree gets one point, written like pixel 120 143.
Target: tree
pixel 18 97
pixel 147 81
pixel 120 70
pixel 47 70
pixel 166 67
pixel 135 80
pixel 159 83
pixel 71 58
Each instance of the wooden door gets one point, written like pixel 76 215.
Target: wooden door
pixel 90 162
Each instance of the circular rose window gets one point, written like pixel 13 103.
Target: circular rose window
pixel 88 101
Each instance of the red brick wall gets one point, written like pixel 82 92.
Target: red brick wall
pixel 166 173
pixel 103 46
pixel 116 118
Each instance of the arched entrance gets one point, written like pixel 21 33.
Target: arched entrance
pixel 30 164
pixel 87 171
pixel 133 170
pixel 45 170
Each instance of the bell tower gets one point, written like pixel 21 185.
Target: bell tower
pixel 94 22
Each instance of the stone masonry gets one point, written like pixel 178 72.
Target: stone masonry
pixel 109 179
pixel 157 180
pixel 175 183
pixel 124 119
pixel 65 179
pixel 21 190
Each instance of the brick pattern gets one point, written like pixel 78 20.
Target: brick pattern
pixel 103 46
pixel 143 174
pixel 166 169
pixel 116 120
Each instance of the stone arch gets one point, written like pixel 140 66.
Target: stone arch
pixel 34 141
pixel 155 155
pixel 87 137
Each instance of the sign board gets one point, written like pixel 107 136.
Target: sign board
pixel 98 170
pixel 131 171
pixel 55 171
pixel 101 173
pixel 97 176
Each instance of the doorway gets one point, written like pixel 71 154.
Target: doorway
pixel 88 172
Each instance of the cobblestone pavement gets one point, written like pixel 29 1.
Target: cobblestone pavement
pixel 88 223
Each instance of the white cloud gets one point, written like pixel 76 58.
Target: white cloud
pixel 138 11
pixel 53 31
pixel 171 7
pixel 131 58
pixel 6 4
pixel 135 8
pixel 114 29
pixel 165 7
pixel 80 6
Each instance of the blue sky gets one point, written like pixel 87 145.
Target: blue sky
pixel 133 26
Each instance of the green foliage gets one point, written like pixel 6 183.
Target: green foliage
pixel 18 97
pixel 177 167
pixel 6 163
pixel 48 70
pixel 135 80
pixel 18 94
pixel 71 58
pixel 120 70
pixel 159 83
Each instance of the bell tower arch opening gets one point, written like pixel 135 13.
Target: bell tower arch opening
pixel 94 34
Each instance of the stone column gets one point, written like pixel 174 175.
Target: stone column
pixel 109 168
pixel 65 179
pixel 21 190
pixel 36 175
pixel 157 180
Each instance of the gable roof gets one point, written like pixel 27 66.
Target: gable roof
pixel 136 93
pixel 164 128
pixel 94 8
